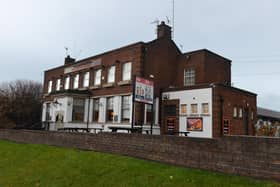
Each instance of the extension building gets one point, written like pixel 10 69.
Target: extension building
pixel 192 91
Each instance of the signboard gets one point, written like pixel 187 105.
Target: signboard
pixel 226 127
pixel 170 123
pixel 79 67
pixel 144 90
pixel 194 124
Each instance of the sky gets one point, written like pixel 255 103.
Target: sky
pixel 34 34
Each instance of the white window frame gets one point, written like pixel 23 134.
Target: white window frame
pixel 182 106
pixel 202 108
pixel 76 81
pixel 240 114
pixel 111 74
pixel 97 77
pixel 126 71
pixel 86 80
pixel 58 84
pixel 67 83
pixel 126 107
pixel 192 111
pixel 189 77
pixel 235 112
pixel 50 86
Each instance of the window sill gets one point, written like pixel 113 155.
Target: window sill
pixel 194 115
pixel 85 88
pixel 95 87
pixel 108 85
pixel 126 82
pixel 204 114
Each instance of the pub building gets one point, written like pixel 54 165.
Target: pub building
pixel 192 93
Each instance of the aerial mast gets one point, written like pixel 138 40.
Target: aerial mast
pixel 173 18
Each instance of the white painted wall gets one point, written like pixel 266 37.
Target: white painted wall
pixel 67 106
pixel 195 96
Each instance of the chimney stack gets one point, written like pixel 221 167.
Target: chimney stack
pixel 69 60
pixel 164 31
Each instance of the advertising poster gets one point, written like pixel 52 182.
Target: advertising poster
pixel 194 124
pixel 144 90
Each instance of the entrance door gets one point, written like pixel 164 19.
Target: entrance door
pixel 170 119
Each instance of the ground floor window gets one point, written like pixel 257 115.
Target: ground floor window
pixel 48 112
pixel 78 110
pixel 125 108
pixel 149 114
pixel 110 109
pixel 95 115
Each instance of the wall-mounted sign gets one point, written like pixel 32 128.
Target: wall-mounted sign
pixel 226 126
pixel 144 90
pixel 80 67
pixel 194 124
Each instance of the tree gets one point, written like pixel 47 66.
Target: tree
pixel 21 103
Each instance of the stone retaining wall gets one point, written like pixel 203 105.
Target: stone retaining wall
pixel 248 156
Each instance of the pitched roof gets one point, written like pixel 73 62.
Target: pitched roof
pixel 268 113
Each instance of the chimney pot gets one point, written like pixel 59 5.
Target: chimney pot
pixel 164 31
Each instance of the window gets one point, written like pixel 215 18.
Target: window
pixel 67 83
pixel 205 108
pixel 78 110
pixel 50 87
pixel 95 115
pixel 149 114
pixel 48 112
pixel 240 112
pixel 252 115
pixel 189 77
pixel 76 81
pixel 194 108
pixel 97 77
pixel 110 109
pixel 183 109
pixel 235 112
pixel 126 71
pixel 111 74
pixel 125 108
pixel 58 82
pixel 86 80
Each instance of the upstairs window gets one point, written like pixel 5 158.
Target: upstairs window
pixel 76 81
pixel 58 84
pixel 240 113
pixel 111 74
pixel 126 71
pixel 67 83
pixel 189 77
pixel 235 112
pixel 49 86
pixel 86 80
pixel 97 77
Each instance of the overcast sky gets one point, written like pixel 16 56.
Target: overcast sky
pixel 33 34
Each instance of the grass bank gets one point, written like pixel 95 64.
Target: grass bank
pixel 41 165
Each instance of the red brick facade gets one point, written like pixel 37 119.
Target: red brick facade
pixel 162 59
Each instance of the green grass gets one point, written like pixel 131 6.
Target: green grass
pixel 41 165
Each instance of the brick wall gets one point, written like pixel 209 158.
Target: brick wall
pixel 249 156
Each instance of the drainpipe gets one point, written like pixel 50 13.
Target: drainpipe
pixel 221 114
pixel 88 113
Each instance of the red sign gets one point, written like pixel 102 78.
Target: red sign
pixel 144 90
